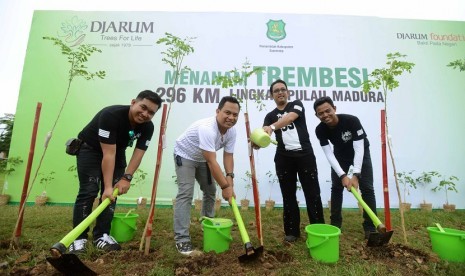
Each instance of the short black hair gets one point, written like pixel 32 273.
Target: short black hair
pixel 151 96
pixel 230 99
pixel 275 82
pixel 321 101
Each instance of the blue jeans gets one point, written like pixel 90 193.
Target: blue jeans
pixel 186 174
pixel 366 189
pixel 287 169
pixel 89 169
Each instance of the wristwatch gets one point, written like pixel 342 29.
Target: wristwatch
pixel 230 174
pixel 357 175
pixel 273 127
pixel 127 177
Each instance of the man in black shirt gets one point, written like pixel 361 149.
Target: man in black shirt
pixel 294 156
pixel 351 147
pixel 101 162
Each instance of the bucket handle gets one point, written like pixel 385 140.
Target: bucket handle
pixel 318 244
pixel 228 238
pixel 127 214
pixel 130 226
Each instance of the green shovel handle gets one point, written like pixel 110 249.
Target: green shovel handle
pixel 72 236
pixel 367 209
pixel 240 223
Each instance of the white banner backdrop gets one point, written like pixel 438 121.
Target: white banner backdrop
pixel 315 54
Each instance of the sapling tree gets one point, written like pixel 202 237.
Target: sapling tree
pixel 177 50
pixel 240 77
pixel 406 179
pixel 77 58
pixel 272 180
pixel 138 179
pixel 424 180
pixel 247 185
pixel 45 180
pixel 457 64
pixel 385 78
pixel 447 184
pixel 7 166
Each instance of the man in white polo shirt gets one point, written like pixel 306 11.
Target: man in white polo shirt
pixel 195 159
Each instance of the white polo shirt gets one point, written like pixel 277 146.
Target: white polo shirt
pixel 204 135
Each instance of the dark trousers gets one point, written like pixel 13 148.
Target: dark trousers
pixel 366 190
pixel 287 169
pixel 89 168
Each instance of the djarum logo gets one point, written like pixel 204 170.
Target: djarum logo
pixel 73 31
pixel 276 31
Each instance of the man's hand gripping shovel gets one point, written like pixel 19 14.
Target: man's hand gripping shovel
pixel 381 237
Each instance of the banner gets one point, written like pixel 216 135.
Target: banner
pixel 316 55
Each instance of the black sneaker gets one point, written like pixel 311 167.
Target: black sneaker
pixel 107 243
pixel 78 247
pixel 290 238
pixel 184 248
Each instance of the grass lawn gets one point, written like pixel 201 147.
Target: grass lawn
pixel 44 226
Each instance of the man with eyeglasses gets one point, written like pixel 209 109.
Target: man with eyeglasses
pixel 294 157
pixel 195 159
pixel 101 162
pixel 350 147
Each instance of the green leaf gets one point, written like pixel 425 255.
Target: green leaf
pixel 459 63
pixel 386 77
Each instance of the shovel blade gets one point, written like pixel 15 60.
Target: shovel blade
pixel 251 255
pixel 70 264
pixel 379 239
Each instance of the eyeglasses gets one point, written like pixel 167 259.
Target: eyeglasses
pixel 283 90
pixel 132 137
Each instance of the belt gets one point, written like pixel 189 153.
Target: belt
pixel 294 150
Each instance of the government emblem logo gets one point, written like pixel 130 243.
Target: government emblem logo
pixel 276 30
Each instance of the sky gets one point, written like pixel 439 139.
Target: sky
pixel 16 18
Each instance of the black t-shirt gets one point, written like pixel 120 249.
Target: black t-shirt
pixel 348 130
pixel 111 126
pixel 293 138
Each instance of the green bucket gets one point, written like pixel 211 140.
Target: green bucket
pixel 123 226
pixel 216 234
pixel 449 245
pixel 323 242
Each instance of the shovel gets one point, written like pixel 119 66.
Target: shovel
pixel 251 253
pixel 376 238
pixel 69 264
